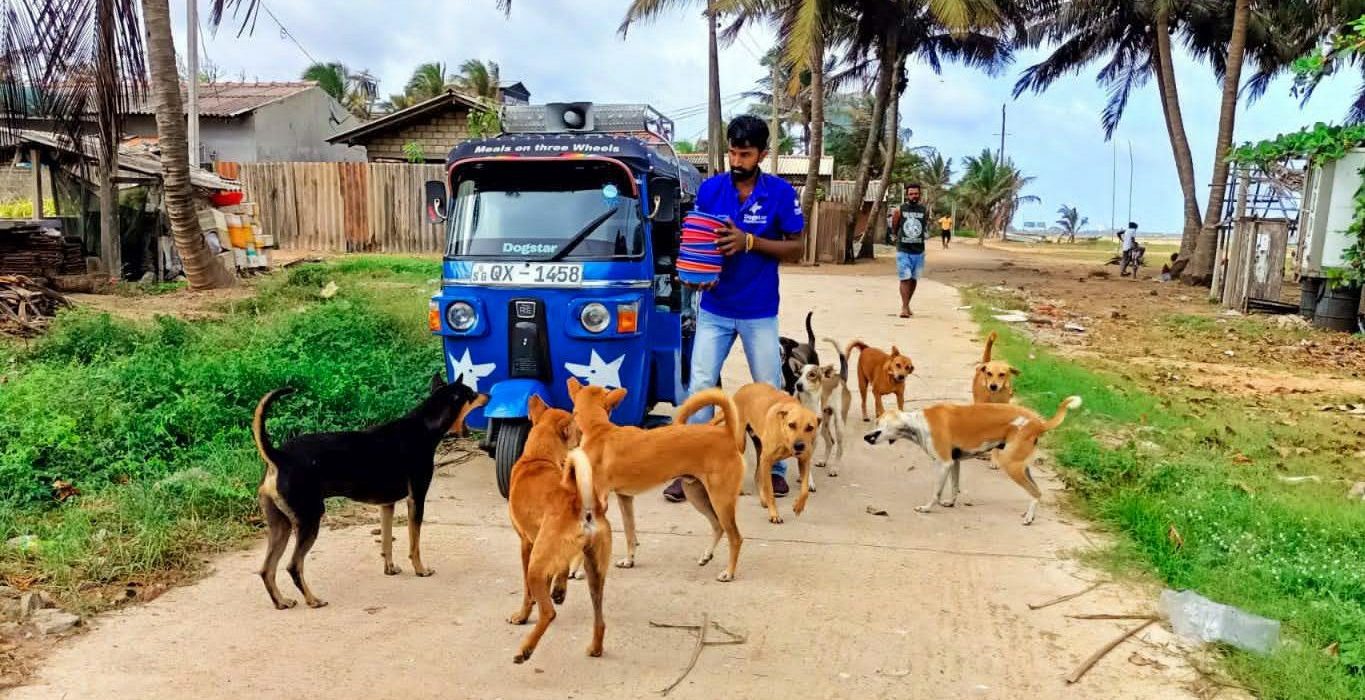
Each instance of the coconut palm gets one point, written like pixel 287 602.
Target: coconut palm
pixel 935 177
pixel 1070 222
pixel 479 79
pixel 355 91
pixel 991 191
pixel 428 80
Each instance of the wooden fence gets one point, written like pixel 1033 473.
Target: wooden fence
pixel 377 207
pixel 344 207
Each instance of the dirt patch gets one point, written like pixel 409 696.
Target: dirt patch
pixel 186 305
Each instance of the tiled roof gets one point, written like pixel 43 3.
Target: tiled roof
pixel 232 99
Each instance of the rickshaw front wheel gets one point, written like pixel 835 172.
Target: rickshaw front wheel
pixel 510 441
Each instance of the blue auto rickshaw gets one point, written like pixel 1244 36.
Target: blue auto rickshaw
pixel 561 238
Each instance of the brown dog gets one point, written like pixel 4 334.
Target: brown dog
pixel 780 428
pixel 992 382
pixel 950 432
pixel 559 518
pixel 630 460
pixel 884 372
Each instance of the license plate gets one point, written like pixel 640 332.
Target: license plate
pixel 527 274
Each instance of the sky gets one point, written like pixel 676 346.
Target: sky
pixel 562 52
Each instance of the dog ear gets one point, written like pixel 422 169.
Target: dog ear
pixel 1014 371
pixel 895 351
pixel 437 381
pixel 614 398
pixel 535 408
pixel 981 366
pixel 574 386
pixel 779 412
pixel 569 432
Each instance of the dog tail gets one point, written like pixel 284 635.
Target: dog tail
pixel 268 452
pixel 1057 418
pixel 810 332
pixel 855 345
pixel 990 342
pixel 719 399
pixel 843 359
pixel 579 469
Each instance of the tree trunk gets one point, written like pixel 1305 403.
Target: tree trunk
pixel 202 270
pixel 817 127
pixel 107 109
pixel 886 76
pixel 1175 129
pixel 1200 270
pixel 715 144
pixel 891 143
pixel 775 118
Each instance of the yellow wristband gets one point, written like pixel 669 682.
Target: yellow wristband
pixel 748 242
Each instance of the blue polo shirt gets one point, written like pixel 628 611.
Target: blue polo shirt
pixel 747 288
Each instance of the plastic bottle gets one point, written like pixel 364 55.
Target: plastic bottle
pixel 1197 617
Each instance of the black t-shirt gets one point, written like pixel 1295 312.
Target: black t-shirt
pixel 909 238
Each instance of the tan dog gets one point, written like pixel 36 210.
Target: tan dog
pixel 950 432
pixel 629 460
pixel 992 382
pixel 560 519
pixel 884 372
pixel 780 428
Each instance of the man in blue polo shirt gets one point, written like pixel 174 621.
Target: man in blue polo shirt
pixel 766 225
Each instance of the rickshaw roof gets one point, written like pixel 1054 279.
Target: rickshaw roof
pixel 640 156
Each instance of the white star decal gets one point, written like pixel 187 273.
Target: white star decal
pixel 464 368
pixel 756 207
pixel 597 372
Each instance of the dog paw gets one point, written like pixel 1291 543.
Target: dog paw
pixel 317 603
pixel 947 504
pixel 521 658
pixel 517 618
pixel 775 519
pixel 725 577
pixel 423 573
pixel 285 603
pixel 558 596
pixel 577 575
pixel 706 559
pixel 626 564
pixel 594 651
pixel 833 474
pixel 392 569
pixel 921 509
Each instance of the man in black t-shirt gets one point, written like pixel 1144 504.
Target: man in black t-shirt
pixel 908 238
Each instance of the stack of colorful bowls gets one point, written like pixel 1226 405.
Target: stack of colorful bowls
pixel 698 258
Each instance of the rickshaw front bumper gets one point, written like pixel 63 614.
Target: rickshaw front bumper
pixel 508 398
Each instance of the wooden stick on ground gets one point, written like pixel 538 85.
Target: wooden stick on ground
pixel 1067 597
pixel 696 651
pixel 1109 616
pixel 1095 657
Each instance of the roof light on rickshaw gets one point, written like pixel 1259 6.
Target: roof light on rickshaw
pixel 627 317
pixel 594 317
pixel 461 316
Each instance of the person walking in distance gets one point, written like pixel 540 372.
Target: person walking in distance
pixel 945 230
pixel 765 228
pixel 909 241
pixel 1128 250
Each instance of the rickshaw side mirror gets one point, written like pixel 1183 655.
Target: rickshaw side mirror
pixel 664 204
pixel 435 200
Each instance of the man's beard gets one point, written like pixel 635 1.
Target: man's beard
pixel 742 174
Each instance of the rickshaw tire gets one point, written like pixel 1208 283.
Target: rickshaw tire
pixel 511 440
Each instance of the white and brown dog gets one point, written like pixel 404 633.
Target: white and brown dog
pixel 824 390
pixel 950 432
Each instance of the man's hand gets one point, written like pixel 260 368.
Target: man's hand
pixel 731 240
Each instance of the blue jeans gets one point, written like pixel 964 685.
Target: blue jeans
pixel 715 336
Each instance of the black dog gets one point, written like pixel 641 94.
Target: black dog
pixel 382 465
pixel 797 355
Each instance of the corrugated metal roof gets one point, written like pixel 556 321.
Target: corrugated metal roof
pixel 132 160
pixel 232 99
pixel 786 165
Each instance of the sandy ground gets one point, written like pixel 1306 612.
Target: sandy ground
pixel 835 603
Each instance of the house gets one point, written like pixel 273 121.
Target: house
pixel 435 126
pixel 790 168
pixel 513 93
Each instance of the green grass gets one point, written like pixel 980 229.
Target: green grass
pixel 1143 463
pixel 151 421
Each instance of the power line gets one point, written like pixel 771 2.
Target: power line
pixel 285 32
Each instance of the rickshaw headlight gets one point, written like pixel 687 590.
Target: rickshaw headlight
pixel 594 317
pixel 460 316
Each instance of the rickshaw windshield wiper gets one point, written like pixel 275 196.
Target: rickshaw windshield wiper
pixel 582 235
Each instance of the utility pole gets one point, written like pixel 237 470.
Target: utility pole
pixel 1002 134
pixel 1113 184
pixel 192 107
pixel 1130 179
pixel 774 120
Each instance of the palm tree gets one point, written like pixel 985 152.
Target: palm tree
pixel 970 31
pixel 355 91
pixel 428 80
pixel 935 176
pixel 479 79
pixel 1071 221
pixel 991 191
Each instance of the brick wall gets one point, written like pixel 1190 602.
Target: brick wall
pixel 437 136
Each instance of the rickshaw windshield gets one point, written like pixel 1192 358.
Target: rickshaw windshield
pixel 534 210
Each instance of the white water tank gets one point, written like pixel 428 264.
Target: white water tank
pixel 1328 207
